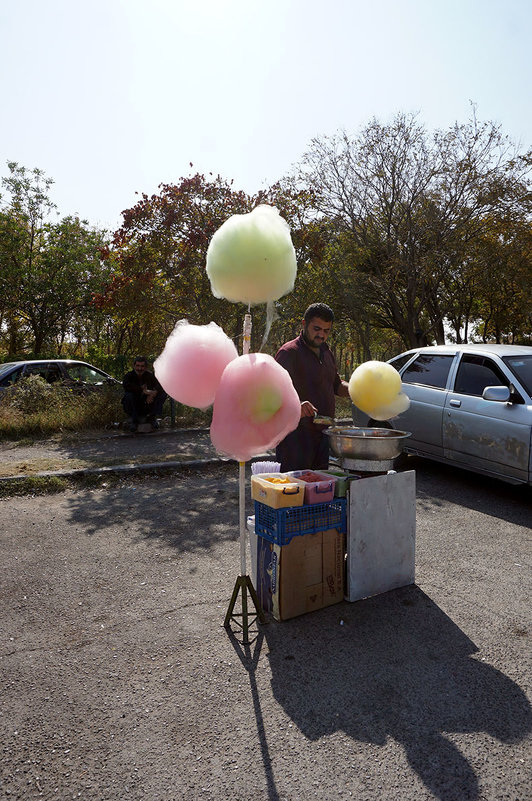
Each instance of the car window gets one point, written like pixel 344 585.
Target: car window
pixel 11 378
pixel 400 361
pixel 48 372
pixel 521 366
pixel 429 369
pixel 475 373
pixel 5 368
pixel 84 373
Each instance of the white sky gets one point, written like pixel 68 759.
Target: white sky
pixel 113 97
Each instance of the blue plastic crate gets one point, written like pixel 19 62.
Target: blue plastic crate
pixel 280 525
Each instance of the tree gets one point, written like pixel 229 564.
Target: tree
pixel 49 269
pixel 409 206
pixel 504 304
pixel 157 261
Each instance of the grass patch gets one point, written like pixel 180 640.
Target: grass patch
pixel 33 410
pixel 41 485
pixel 33 485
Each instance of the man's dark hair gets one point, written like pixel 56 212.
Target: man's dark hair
pixel 320 310
pixel 140 359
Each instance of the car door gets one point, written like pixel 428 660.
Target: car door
pixel 425 382
pixel 486 435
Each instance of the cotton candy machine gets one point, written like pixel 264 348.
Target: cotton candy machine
pixel 368 450
pixel 381 526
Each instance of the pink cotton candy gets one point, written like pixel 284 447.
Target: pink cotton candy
pixel 255 407
pixel 191 365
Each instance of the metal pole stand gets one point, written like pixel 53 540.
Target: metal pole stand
pixel 243 584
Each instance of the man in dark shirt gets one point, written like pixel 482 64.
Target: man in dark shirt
pixel 143 395
pixel 312 368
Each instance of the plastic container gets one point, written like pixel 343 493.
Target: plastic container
pixel 280 525
pixel 319 488
pixel 342 482
pixel 278 490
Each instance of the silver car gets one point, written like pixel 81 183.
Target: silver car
pixel 470 406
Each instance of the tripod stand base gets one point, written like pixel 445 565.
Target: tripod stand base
pixel 241 619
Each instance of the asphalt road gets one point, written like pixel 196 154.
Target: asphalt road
pixel 120 682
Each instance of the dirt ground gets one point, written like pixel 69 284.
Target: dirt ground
pixel 103 449
pixel 119 680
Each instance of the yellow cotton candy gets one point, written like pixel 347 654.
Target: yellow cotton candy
pixel 400 404
pixel 251 258
pixel 375 388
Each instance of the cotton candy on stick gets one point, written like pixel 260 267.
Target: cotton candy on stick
pixel 191 365
pixel 255 407
pixel 251 258
pixel 375 388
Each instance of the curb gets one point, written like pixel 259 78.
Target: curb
pixel 147 467
pixel 119 468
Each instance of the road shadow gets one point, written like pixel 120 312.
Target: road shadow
pixel 188 511
pixel 440 483
pixel 249 655
pixel 123 447
pixel 398 667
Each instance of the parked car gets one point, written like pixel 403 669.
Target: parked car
pixel 80 376
pixel 470 406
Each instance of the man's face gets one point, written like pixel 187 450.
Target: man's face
pixel 139 368
pixel 316 331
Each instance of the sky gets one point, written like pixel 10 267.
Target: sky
pixel 113 97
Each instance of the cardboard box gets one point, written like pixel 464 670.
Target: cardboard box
pixel 305 575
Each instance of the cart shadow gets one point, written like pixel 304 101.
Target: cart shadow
pixel 249 654
pixel 398 667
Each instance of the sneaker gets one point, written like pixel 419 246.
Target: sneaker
pixel 155 424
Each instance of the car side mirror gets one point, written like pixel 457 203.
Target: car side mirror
pixel 500 394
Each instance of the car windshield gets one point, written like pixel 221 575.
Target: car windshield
pixel 521 366
pixel 5 368
pixel 401 360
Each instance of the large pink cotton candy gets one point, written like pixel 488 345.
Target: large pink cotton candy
pixel 191 365
pixel 255 407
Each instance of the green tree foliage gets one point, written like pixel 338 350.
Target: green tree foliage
pixel 50 270
pixel 157 262
pixel 408 208
pixel 158 256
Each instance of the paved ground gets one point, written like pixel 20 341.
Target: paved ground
pixel 119 681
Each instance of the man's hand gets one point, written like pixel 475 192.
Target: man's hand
pixel 150 394
pixel 308 409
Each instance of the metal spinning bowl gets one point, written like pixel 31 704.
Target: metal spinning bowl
pixel 366 443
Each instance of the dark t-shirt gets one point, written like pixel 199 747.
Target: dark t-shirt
pixel 133 383
pixel 315 378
